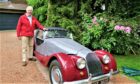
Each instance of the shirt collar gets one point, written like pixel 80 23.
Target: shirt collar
pixel 27 15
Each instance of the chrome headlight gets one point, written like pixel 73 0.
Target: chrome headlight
pixel 81 63
pixel 106 59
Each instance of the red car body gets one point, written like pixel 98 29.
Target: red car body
pixel 68 67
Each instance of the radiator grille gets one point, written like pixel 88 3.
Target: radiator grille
pixel 94 65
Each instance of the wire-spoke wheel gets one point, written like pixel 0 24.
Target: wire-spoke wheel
pixel 55 73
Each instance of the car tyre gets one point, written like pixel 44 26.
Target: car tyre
pixel 55 73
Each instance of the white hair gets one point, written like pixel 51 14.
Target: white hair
pixel 29 8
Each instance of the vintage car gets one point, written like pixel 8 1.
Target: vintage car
pixel 70 62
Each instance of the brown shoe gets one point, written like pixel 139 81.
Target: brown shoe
pixel 32 59
pixel 24 63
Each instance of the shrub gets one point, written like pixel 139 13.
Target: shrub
pixel 101 31
pixel 114 35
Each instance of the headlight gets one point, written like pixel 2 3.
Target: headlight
pixel 106 59
pixel 81 63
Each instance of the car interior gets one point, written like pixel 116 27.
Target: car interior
pixel 39 37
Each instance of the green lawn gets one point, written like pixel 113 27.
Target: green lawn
pixel 132 61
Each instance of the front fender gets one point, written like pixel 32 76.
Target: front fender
pixel 109 66
pixel 68 67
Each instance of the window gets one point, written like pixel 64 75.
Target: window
pixel 57 34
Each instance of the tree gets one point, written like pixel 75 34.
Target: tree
pixel 76 16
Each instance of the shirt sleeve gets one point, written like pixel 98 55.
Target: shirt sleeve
pixel 18 28
pixel 38 24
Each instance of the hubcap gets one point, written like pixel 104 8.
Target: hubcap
pixel 56 75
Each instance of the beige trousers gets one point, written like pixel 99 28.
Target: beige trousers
pixel 27 47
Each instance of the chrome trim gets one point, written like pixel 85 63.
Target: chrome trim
pixel 95 79
pixel 115 72
pixel 87 67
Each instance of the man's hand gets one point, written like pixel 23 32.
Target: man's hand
pixel 45 29
pixel 19 38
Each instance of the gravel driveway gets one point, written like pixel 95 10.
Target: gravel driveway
pixel 12 71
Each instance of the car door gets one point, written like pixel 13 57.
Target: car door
pixel 40 46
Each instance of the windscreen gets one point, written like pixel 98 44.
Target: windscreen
pixel 57 34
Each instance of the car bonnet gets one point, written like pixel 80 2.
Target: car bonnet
pixel 65 45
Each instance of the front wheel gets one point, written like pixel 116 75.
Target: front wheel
pixel 55 73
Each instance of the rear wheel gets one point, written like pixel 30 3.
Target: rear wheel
pixel 55 73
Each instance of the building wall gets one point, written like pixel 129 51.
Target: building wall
pixel 3 0
pixel 10 12
pixel 15 1
pixel 18 1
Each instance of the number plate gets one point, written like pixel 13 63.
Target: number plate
pixel 104 81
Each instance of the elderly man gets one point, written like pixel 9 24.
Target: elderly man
pixel 25 32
